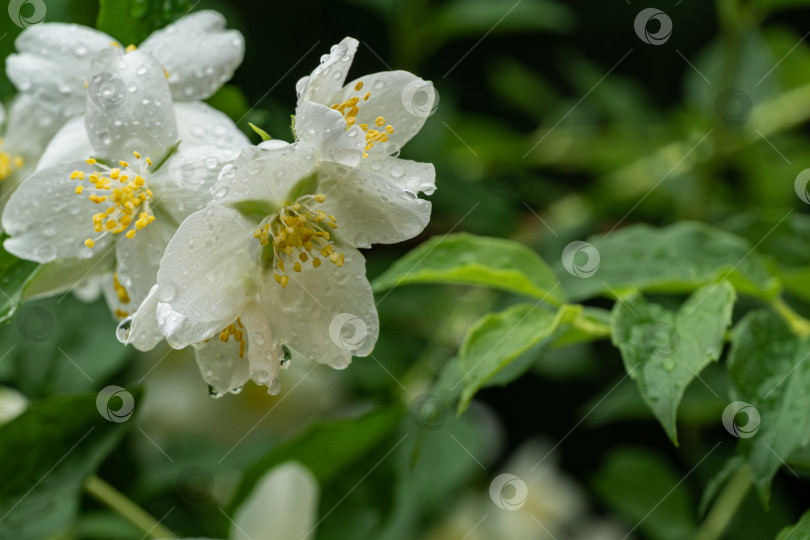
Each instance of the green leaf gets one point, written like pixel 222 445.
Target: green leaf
pixel 475 17
pixel 675 259
pixel 45 455
pixel 131 21
pixel 800 531
pixel 641 486
pixel 768 366
pixel 14 275
pixel 326 449
pixel 475 260
pixel 663 350
pixel 262 133
pixel 497 340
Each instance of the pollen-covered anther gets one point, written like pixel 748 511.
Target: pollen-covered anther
pixel 298 233
pixel 235 330
pixel 123 190
pixel 349 110
pixel 9 163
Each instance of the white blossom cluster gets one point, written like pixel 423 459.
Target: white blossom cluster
pixel 120 180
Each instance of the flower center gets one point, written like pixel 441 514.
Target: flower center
pixel 8 163
pixel 122 191
pixel 295 231
pixel 349 110
pixel 235 330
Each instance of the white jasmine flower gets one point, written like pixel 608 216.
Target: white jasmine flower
pixel 366 122
pixel 274 262
pixel 197 53
pixel 112 181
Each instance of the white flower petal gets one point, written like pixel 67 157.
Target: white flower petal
pixel 180 331
pixel 129 107
pixel 29 128
pixel 69 144
pixel 326 129
pixel 144 333
pixel 208 273
pixel 326 79
pixel 326 313
pixel 414 176
pixel 220 365
pixel 265 173
pixel 199 124
pixel 52 63
pixel 65 275
pixel 199 54
pixel 404 100
pixel 370 209
pixel 282 506
pixel 262 348
pixel 139 257
pixel 46 220
pixel 183 185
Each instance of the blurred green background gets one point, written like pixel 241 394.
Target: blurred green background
pixel 556 121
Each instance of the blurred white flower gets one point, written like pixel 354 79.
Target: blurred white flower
pixel 106 185
pixel 274 262
pixel 12 404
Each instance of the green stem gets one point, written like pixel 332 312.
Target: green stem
pixel 800 325
pixel 595 329
pixel 130 511
pixel 726 506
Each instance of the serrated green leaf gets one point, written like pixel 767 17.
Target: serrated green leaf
pixel 646 490
pixel 497 340
pixel 800 531
pixel 769 368
pixel 663 350
pixel 14 275
pixel 45 455
pixel 675 259
pixel 475 260
pixel 131 21
pixel 345 442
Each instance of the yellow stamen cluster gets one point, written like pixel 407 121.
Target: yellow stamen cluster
pixel 349 110
pixel 125 190
pixel 295 231
pixel 9 163
pixel 235 330
pixel 120 290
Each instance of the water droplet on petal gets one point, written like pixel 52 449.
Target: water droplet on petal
pixel 274 388
pixel 122 331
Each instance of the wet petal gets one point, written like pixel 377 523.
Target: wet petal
pixel 326 129
pixel 326 79
pixel 414 176
pixel 199 124
pixel 220 365
pixel 139 257
pixel 69 144
pixel 144 333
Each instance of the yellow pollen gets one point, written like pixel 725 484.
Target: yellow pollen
pixel 358 86
pixel 121 314
pixel 115 44
pixel 120 290
pixel 89 242
pixel 234 330
pixel 79 190
pixel 349 110
pixel 130 48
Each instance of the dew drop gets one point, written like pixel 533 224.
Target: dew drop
pixel 274 388
pixel 122 331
